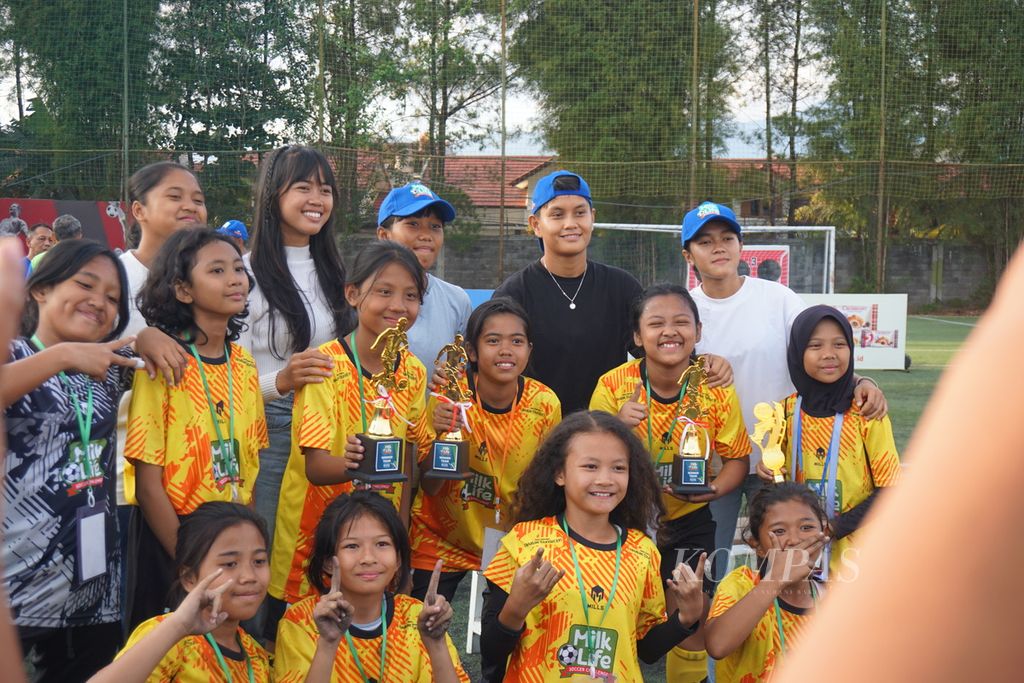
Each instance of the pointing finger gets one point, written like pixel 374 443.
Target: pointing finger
pixel 637 393
pixel 435 579
pixel 335 576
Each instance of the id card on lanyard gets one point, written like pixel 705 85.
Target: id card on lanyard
pixel 826 487
pixel 84 472
pixel 224 453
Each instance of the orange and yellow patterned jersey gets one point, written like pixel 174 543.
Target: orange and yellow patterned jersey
pixel 756 658
pixel 556 643
pixel 407 658
pixel 450 526
pixel 867 460
pixel 193 660
pixel 171 426
pixel 324 416
pixel 725 428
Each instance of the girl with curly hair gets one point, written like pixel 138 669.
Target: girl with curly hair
pixel 574 589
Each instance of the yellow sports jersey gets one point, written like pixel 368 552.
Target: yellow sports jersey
pixel 407 658
pixel 556 645
pixel 725 426
pixel 450 526
pixel 193 660
pixel 324 416
pixel 171 426
pixel 867 460
pixel 756 658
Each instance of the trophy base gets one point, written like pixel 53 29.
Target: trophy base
pixel 449 460
pixel 690 476
pixel 691 489
pixel 382 459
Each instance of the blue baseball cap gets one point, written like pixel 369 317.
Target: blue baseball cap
pixel 413 198
pixel 234 228
pixel 696 219
pixel 545 190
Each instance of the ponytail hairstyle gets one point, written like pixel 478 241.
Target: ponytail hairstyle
pixel 280 170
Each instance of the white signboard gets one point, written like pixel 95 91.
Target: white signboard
pixel 879 323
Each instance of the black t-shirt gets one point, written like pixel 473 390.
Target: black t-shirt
pixel 572 348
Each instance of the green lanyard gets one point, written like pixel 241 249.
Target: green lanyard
pixel 213 412
pixel 778 618
pixel 583 588
pixel 224 665
pixel 383 643
pixel 672 429
pixel 84 421
pixel 359 376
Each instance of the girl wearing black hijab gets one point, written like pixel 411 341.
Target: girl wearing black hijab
pixel 843 457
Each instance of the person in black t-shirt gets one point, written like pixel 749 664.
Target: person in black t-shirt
pixel 579 309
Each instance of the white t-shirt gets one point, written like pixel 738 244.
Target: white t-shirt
pixel 256 338
pixel 137 274
pixel 443 314
pixel 751 330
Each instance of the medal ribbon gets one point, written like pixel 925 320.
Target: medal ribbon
pixel 84 421
pixel 224 665
pixel 233 465
pixel 383 643
pixel 826 489
pixel 778 617
pixel 583 588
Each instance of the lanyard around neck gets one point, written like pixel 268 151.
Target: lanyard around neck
pixel 359 378
pixel 502 458
pixel 675 414
pixel 209 396
pixel 84 421
pixel 583 589
pixel 224 665
pixel 383 643
pixel 778 617
pixel 826 489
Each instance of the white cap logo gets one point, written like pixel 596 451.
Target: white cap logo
pixel 708 209
pixel 419 190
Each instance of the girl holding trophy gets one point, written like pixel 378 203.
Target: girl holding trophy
pixel 671 414
pixel 509 416
pixel 376 395
pixel 844 457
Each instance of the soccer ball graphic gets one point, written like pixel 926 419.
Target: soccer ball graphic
pixel 567 654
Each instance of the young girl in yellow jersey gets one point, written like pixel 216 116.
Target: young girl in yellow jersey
pixel 510 416
pixel 198 441
pixel 758 615
pixel 646 396
pixel 574 591
pixel 226 543
pixel 845 458
pixel 360 558
pixel 386 284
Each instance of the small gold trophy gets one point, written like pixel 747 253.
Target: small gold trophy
pixel 382 457
pixel 771 420
pixel 449 454
pixel 690 466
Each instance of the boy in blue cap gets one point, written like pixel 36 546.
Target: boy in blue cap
pixel 236 231
pixel 414 216
pixel 579 309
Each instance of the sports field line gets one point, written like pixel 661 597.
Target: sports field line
pixel 942 320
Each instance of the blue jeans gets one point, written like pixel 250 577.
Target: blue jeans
pixel 274 459
pixel 725 511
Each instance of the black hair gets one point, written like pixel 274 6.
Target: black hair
pixel 342 512
pixel 495 306
pixel 430 210
pixel 157 300
pixel 739 235
pixel 39 225
pixel 377 255
pixel 62 262
pixel 199 531
pixel 636 311
pixel 538 495
pixel 67 227
pixel 772 494
pixel 148 177
pixel 565 183
pixel 281 169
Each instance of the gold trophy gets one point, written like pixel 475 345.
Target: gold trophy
pixel 449 454
pixel 382 457
pixel 771 420
pixel 690 466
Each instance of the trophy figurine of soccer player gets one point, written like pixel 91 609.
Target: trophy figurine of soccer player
pixel 690 466
pixel 449 454
pixel 382 457
pixel 771 420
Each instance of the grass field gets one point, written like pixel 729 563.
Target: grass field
pixel 932 342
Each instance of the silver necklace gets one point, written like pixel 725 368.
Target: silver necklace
pixel 572 299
